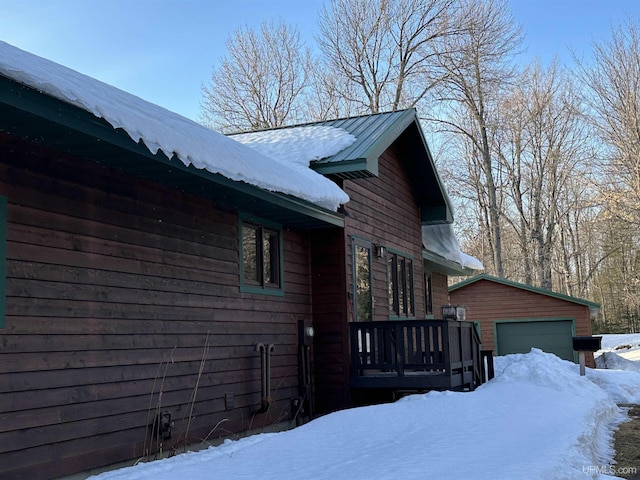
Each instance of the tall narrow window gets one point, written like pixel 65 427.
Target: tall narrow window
pixel 362 302
pixel 400 275
pixel 428 294
pixel 261 257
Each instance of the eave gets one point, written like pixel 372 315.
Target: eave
pixel 593 306
pixel 44 120
pixel 443 265
pixel 375 134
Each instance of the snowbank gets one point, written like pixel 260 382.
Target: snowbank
pixel 538 419
pixel 625 346
pixel 613 361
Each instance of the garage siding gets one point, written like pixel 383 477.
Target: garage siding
pixel 492 302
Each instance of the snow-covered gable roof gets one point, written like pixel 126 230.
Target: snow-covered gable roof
pixel 374 134
pixel 298 145
pixel 176 136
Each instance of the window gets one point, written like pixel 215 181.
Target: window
pixel 400 275
pixel 260 257
pixel 3 256
pixel 428 294
pixel 362 293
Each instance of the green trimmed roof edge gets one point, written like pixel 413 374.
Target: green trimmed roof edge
pixel 39 104
pixel 530 288
pixel 450 267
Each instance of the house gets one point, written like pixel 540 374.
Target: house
pixel 164 285
pixel 514 317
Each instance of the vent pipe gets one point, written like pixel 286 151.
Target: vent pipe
pixel 265 368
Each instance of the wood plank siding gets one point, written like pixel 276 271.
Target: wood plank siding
pixel 330 343
pixel 439 285
pixel 383 211
pixel 487 302
pixel 118 289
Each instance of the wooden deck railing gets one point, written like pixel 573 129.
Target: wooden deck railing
pixel 415 354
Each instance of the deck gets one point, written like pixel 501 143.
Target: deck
pixel 415 355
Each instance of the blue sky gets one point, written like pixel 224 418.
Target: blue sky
pixel 164 50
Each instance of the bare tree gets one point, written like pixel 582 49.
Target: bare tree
pixel 328 95
pixel 550 146
pixel 613 86
pixel 260 83
pixel 477 70
pixel 384 52
pixel 614 83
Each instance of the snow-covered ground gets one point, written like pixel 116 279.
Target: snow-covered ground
pixel 538 419
pixel 626 346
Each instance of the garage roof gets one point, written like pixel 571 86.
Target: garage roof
pixel 593 306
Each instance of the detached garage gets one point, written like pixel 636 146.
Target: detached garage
pixel 514 317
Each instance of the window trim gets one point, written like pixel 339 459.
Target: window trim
pixel 261 288
pixel 3 259
pixel 393 315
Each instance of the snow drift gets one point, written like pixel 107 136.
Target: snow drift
pixel 538 419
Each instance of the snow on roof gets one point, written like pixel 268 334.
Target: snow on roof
pixel 173 134
pixel 441 240
pixel 300 145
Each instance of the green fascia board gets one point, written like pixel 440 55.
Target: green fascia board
pixel 448 214
pixel 38 104
pixel 444 265
pixel 376 134
pixel 368 167
pixel 436 215
pixel 593 306
pixel 370 145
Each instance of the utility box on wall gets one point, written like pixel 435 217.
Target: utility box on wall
pixel 453 312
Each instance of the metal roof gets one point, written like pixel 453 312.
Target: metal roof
pixel 374 134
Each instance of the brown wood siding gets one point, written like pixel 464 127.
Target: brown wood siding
pixel 330 343
pixel 113 285
pixel 440 290
pixel 488 301
pixel 383 210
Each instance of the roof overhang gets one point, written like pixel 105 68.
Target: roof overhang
pixel 593 307
pixel 434 261
pixel 45 120
pixel 375 134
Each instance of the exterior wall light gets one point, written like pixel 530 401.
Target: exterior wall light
pixel 380 250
